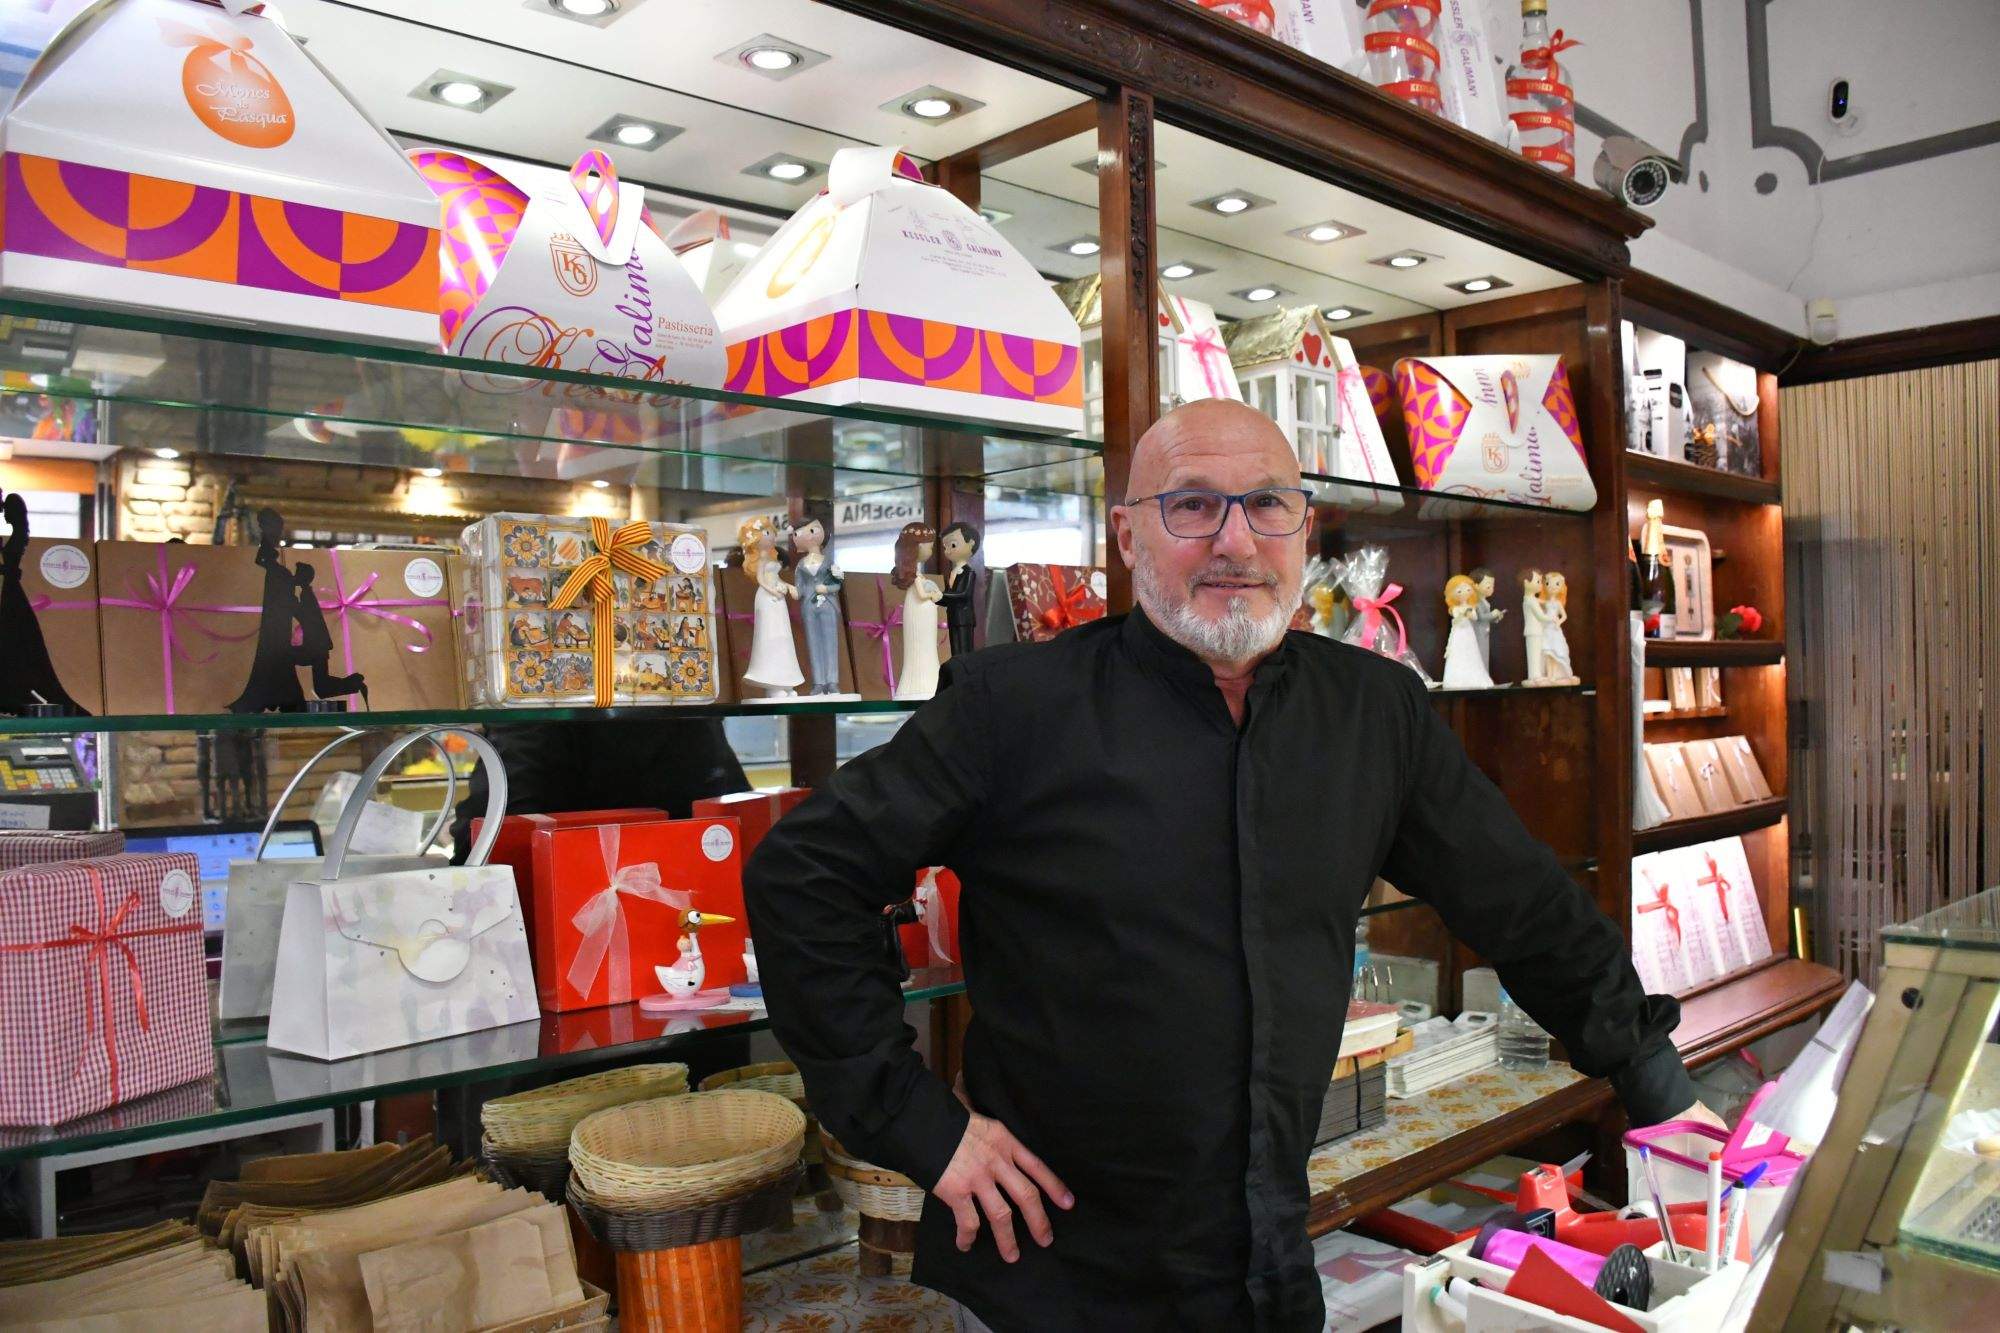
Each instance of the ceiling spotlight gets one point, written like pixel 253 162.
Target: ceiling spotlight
pixel 1320 233
pixel 932 105
pixel 1175 272
pixel 774 57
pixel 599 483
pixel 995 216
pixel 432 472
pixel 1341 312
pixel 634 132
pixel 788 171
pixel 1080 247
pixel 1403 259
pixel 930 108
pixel 597 13
pixel 584 9
pixel 1263 293
pixel 450 88
pixel 168 454
pixel 785 167
pixel 1474 286
pixel 1231 203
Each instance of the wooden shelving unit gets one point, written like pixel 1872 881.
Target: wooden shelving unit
pixel 1670 475
pixel 1714 652
pixel 1687 832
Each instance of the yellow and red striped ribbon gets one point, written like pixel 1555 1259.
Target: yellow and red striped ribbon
pixel 614 550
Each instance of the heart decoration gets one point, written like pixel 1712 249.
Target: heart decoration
pixel 1164 321
pixel 1313 344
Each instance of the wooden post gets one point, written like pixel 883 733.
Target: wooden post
pixel 1131 298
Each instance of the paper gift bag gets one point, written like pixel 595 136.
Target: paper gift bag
pixel 1048 599
pixel 1723 870
pixel 371 962
pixel 609 901
pixel 875 633
pixel 1495 428
pixel 103 996
pixel 514 845
pixel 754 811
pixel 254 907
pixel 23 847
pixel 738 591
pixel 932 939
pixel 48 621
pixel 390 615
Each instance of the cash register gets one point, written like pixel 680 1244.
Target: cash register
pixel 43 786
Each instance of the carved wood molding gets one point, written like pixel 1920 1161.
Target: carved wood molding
pixel 1222 80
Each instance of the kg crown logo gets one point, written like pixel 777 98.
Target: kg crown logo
pixel 575 270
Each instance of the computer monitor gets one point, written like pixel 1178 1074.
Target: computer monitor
pixel 216 845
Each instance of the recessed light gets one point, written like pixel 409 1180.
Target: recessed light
pixel 932 105
pixel 634 132
pixel 785 167
pixel 1474 286
pixel 584 9
pixel 599 483
pixel 635 135
pixel 431 472
pixel 1080 247
pixel 1403 259
pixel 462 92
pixel 995 216
pixel 1344 312
pixel 1175 272
pixel 930 108
pixel 1264 292
pixel 772 57
pixel 1232 203
pixel 168 454
pixel 1321 233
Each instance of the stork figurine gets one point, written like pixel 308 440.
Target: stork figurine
pixel 683 980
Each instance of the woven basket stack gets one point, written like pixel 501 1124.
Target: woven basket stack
pixel 775 1076
pixel 527 1135
pixel 870 1190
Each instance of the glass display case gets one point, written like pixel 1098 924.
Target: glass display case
pixel 1897 1221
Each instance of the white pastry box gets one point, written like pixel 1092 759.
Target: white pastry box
pixel 565 271
pixel 706 250
pixel 190 157
pixel 1496 428
pixel 889 292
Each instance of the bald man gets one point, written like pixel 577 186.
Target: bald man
pixel 1166 824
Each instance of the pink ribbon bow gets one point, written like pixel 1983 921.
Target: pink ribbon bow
pixel 162 597
pixel 1372 610
pixel 880 631
pixel 930 910
pixel 1355 407
pixel 1213 358
pixel 344 603
pixel 602 918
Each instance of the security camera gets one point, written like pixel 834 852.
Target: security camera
pixel 1634 172
pixel 1840 107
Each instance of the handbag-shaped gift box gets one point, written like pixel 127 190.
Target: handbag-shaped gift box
pixel 371 962
pixel 254 908
pixel 103 996
pixel 1495 428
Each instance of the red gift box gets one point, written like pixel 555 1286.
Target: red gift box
pixel 937 904
pixel 754 811
pixel 514 847
pixel 103 996
pixel 27 847
pixel 608 904
pixel 1048 599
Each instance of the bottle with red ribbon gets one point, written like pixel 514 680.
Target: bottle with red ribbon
pixel 1540 101
pixel 1401 42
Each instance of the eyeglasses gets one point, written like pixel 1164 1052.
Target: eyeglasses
pixel 1273 511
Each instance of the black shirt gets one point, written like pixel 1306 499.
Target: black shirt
pixel 1158 925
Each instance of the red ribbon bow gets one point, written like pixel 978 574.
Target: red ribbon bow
pixel 1061 613
pixel 1714 879
pixel 1664 903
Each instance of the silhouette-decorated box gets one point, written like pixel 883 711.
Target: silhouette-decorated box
pixel 48 620
pixel 212 629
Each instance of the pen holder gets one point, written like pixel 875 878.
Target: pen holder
pixel 1680 1150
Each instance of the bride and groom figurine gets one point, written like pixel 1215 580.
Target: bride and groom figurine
pixel 291 633
pixel 1468 600
pixel 923 595
pixel 815 586
pixel 1544 612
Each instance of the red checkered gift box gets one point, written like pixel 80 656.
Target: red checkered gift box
pixel 103 996
pixel 27 847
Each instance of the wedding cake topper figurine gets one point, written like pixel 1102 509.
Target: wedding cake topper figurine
pixel 1485 616
pixel 1464 666
pixel 918 678
pixel 774 658
pixel 1544 612
pixel 959 543
pixel 1532 622
pixel 817 580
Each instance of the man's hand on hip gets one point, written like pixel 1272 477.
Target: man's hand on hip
pixel 989 1169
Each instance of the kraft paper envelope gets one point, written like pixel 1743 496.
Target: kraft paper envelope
pixel 279 1242
pixel 62 1293
pixel 497 1272
pixel 325 1268
pixel 239 1311
pixel 1710 785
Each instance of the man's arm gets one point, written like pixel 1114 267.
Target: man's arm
pixel 1460 847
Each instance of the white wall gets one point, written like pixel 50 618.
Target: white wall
pixel 1897 220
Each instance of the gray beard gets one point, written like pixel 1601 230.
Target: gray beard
pixel 1237 636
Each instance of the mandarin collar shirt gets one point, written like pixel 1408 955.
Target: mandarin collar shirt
pixel 1158 921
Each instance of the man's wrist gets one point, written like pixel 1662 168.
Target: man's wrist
pixel 927 1131
pixel 1654 1086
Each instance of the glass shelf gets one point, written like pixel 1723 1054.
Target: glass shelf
pixel 1385 505
pixel 434 717
pixel 209 388
pixel 254 1082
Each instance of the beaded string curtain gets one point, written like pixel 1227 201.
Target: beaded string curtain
pixel 1892 523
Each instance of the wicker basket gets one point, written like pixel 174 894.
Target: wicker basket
pixel 781 1077
pixel 870 1190
pixel 547 1176
pixel 538 1123
pixel 758 1205
pixel 676 1152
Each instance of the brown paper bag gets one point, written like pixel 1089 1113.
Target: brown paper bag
pixel 1739 763
pixel 493 1273
pixel 874 628
pixel 241 1310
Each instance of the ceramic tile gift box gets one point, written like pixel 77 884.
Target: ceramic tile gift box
pixel 579 611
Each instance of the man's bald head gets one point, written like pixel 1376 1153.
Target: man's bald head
pixel 1194 434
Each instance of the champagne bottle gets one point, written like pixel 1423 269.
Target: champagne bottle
pixel 1657 599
